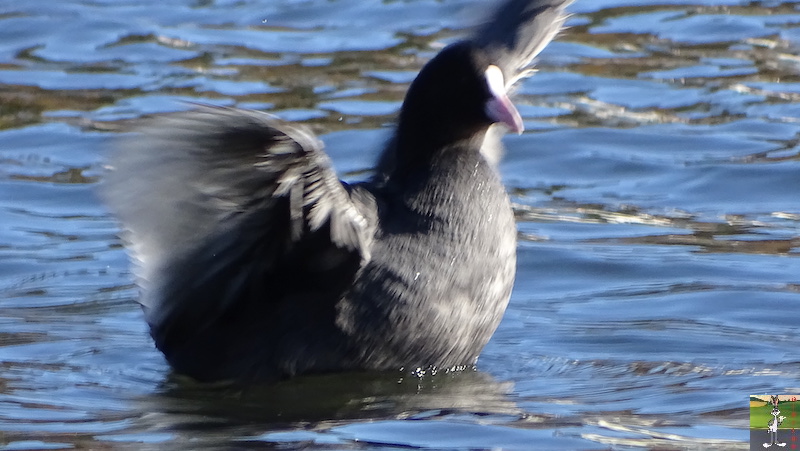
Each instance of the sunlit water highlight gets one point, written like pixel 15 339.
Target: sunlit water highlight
pixel 656 194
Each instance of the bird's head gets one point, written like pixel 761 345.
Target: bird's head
pixel 458 94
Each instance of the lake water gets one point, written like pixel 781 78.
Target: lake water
pixel 656 192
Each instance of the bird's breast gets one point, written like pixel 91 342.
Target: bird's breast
pixel 441 272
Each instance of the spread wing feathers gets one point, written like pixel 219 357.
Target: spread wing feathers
pixel 518 31
pixel 191 176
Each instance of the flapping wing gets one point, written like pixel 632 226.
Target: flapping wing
pixel 211 176
pixel 518 31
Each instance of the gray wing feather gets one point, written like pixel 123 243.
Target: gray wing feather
pixel 190 176
pixel 518 31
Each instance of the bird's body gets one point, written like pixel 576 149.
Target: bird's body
pixel 257 263
pixel 442 265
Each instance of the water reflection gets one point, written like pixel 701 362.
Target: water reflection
pixel 321 402
pixel 342 396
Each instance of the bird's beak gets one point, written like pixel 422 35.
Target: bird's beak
pixel 499 108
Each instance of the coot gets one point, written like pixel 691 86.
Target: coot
pixel 256 263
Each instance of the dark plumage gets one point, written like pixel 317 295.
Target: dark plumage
pixel 257 263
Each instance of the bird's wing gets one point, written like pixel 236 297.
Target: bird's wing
pixel 202 188
pixel 518 31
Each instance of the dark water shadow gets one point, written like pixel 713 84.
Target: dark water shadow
pixel 213 415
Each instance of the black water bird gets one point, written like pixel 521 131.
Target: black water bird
pixel 256 263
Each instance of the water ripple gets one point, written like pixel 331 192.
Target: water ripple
pixel 655 195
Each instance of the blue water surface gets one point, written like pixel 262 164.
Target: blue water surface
pixel 656 193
